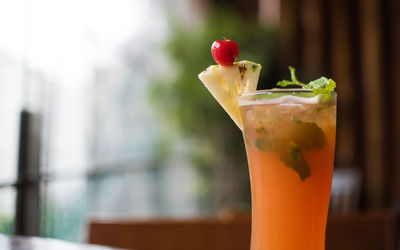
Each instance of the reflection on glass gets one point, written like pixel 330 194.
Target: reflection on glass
pixel 63 208
pixel 10 107
pixel 7 209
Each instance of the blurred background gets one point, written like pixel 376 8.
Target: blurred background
pixel 102 114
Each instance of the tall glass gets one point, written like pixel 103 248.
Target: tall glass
pixel 290 144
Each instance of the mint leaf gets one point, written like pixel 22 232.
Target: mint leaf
pixel 307 135
pixel 293 158
pixel 265 143
pixel 321 85
pixel 301 136
pixel 326 99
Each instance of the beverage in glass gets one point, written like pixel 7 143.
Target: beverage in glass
pixel 290 143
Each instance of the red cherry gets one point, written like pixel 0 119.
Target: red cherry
pixel 225 52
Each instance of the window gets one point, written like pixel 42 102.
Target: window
pixel 81 71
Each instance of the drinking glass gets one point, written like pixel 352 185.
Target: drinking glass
pixel 290 144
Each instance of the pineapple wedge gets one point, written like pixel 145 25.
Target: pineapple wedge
pixel 226 82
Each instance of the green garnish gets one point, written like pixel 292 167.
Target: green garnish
pixel 264 143
pixel 293 158
pixel 321 85
pixel 307 135
pixel 303 136
pixel 293 82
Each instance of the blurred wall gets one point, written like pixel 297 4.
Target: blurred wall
pixel 356 43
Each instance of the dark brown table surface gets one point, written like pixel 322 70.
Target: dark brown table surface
pixel 36 243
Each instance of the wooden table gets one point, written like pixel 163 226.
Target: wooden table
pixel 368 230
pixel 36 243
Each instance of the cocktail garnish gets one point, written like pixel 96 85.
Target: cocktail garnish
pixel 225 52
pixel 308 135
pixel 293 158
pixel 229 79
pixel 321 85
pixel 303 136
pixel 264 143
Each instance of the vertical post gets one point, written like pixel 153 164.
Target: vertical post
pixel 343 73
pixel 312 26
pixel 374 112
pixel 27 204
pixel 393 52
pixel 290 36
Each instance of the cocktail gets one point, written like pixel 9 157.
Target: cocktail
pixel 290 142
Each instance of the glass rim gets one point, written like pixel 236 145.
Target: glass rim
pixel 275 91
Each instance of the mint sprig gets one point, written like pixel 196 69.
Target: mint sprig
pixel 321 85
pixel 303 136
pixel 294 159
pixel 293 82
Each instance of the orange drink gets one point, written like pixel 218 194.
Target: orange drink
pixel 290 143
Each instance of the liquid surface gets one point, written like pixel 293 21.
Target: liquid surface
pixel 290 149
